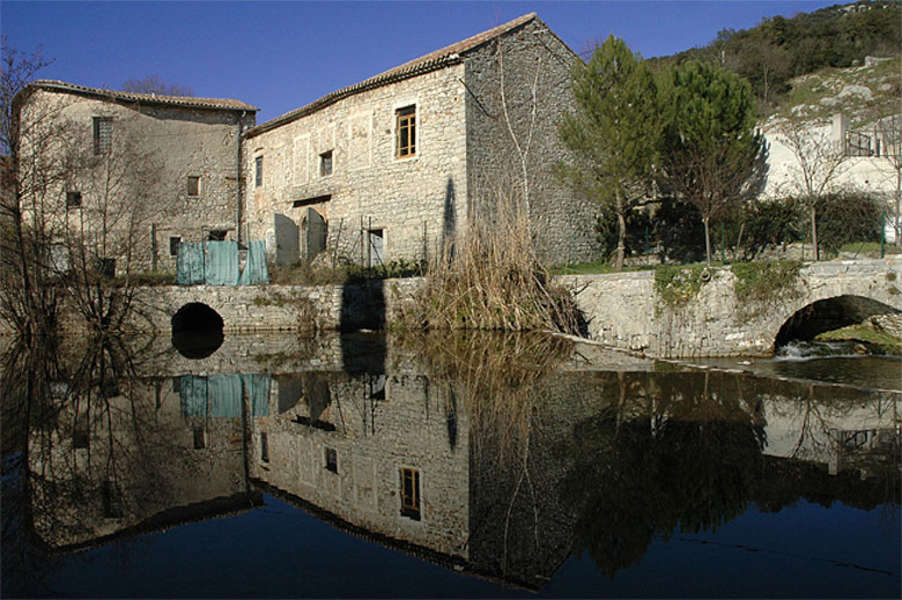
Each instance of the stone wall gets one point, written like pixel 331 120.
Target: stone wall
pixel 142 183
pixel 415 201
pixel 625 312
pixel 528 57
pixel 306 309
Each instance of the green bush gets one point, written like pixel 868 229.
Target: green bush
pixel 676 285
pixel 848 217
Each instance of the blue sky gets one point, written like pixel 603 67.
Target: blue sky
pixel 281 55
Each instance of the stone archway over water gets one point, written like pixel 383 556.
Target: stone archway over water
pixel 197 330
pixel 828 314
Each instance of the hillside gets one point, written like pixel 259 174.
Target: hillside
pixel 864 93
pixel 775 54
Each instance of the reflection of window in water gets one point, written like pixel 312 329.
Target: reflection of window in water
pixel 111 496
pixel 332 460
pixel 200 438
pixel 410 493
pixel 80 437
pixel 377 387
pixel 264 447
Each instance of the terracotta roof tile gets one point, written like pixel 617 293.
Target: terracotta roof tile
pixel 181 101
pixel 429 62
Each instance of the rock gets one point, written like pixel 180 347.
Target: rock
pixel 858 91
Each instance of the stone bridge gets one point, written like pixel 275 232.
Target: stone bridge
pixel 623 310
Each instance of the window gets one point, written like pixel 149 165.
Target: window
pixel 325 163
pixel 200 438
pixel 406 127
pixel 264 447
pixel 193 185
pixel 410 493
pixel 107 267
pixel 103 134
pixel 258 171
pixel 332 460
pixel 217 235
pixel 377 387
pixel 80 437
pixel 174 242
pixel 111 498
pixel 73 199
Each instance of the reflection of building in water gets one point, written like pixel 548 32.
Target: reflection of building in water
pixel 503 478
pixel 387 453
pixel 137 456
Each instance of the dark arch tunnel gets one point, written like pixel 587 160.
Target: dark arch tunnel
pixel 197 330
pixel 828 314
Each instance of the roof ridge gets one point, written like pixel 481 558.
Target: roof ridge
pixel 192 101
pixel 434 60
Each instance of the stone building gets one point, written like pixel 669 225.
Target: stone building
pixel 140 172
pixel 397 165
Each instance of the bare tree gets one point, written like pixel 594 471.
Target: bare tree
pixel 29 299
pixel 820 162
pixel 154 84
pixel 73 213
pixel 106 234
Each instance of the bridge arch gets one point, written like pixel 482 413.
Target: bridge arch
pixel 826 314
pixel 197 330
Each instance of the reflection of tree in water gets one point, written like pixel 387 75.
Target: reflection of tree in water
pixel 82 449
pixel 685 461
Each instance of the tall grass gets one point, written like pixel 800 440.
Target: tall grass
pixel 491 278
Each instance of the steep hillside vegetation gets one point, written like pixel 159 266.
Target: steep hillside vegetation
pixel 771 54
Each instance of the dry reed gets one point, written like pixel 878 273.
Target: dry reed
pixel 493 279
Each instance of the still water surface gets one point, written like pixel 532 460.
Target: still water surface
pixel 461 466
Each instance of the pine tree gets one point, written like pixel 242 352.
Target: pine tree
pixel 613 133
pixel 711 155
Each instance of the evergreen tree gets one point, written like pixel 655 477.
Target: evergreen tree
pixel 711 155
pixel 613 132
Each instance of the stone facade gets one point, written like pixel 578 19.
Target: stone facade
pixel 147 168
pixel 527 58
pixel 340 156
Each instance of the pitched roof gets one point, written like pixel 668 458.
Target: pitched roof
pixel 180 101
pixel 443 57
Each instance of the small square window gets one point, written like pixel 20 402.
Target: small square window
pixel 73 199
pixel 81 438
pixel 217 235
pixel 174 242
pixel 406 128
pixel 258 171
pixel 107 267
pixel 332 460
pixel 193 185
pixel 325 163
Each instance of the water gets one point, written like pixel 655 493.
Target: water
pixel 462 466
pixel 844 363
